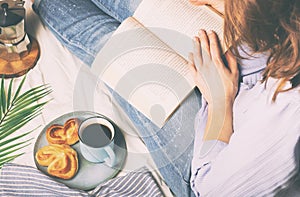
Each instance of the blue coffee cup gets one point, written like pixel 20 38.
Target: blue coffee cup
pixel 96 137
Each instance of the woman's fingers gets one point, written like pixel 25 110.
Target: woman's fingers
pixel 211 75
pixel 191 63
pixel 200 2
pixel 215 50
pixel 232 63
pixel 217 4
pixel 197 56
pixel 204 41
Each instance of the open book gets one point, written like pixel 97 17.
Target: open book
pixel 145 61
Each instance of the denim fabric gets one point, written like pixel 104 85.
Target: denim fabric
pixel 78 24
pixel 118 9
pixel 171 147
pixel 84 26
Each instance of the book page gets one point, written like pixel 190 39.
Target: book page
pixel 144 71
pixel 176 22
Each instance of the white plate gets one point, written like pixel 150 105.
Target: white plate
pixel 89 174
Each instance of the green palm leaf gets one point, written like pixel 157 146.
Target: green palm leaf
pixel 16 110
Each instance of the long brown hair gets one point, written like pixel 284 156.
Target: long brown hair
pixel 267 25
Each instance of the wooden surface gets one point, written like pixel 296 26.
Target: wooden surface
pixel 17 68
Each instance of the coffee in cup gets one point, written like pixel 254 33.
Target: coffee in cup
pixel 96 136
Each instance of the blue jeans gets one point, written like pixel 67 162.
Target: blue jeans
pixel 84 26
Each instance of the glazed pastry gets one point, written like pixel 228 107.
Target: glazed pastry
pixel 67 134
pixel 61 160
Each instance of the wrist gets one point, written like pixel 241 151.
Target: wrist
pixel 220 121
pixel 224 103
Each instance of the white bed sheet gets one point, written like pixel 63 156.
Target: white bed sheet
pixel 59 68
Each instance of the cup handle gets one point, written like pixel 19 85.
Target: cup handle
pixel 110 160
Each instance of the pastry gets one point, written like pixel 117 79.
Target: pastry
pixel 61 160
pixel 66 134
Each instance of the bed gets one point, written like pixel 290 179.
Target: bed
pixel 59 68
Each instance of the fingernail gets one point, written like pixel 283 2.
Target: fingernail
pixel 201 31
pixel 210 32
pixel 196 39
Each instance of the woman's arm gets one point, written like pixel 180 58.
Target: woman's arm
pixel 217 83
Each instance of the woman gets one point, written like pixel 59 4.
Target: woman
pixel 259 156
pixel 253 138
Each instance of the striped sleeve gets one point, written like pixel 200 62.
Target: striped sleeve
pixel 204 151
pixel 201 163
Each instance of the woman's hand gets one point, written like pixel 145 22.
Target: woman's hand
pixel 217 83
pixel 217 4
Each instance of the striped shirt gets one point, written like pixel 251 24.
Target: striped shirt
pixel 20 180
pixel 262 156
